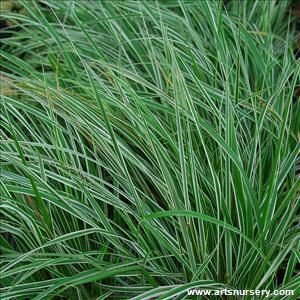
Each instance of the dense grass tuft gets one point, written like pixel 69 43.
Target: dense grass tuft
pixel 149 147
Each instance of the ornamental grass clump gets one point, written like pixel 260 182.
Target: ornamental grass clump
pixel 149 148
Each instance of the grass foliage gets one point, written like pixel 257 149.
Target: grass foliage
pixel 149 148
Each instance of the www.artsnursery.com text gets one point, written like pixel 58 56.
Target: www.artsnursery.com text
pixel 231 292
